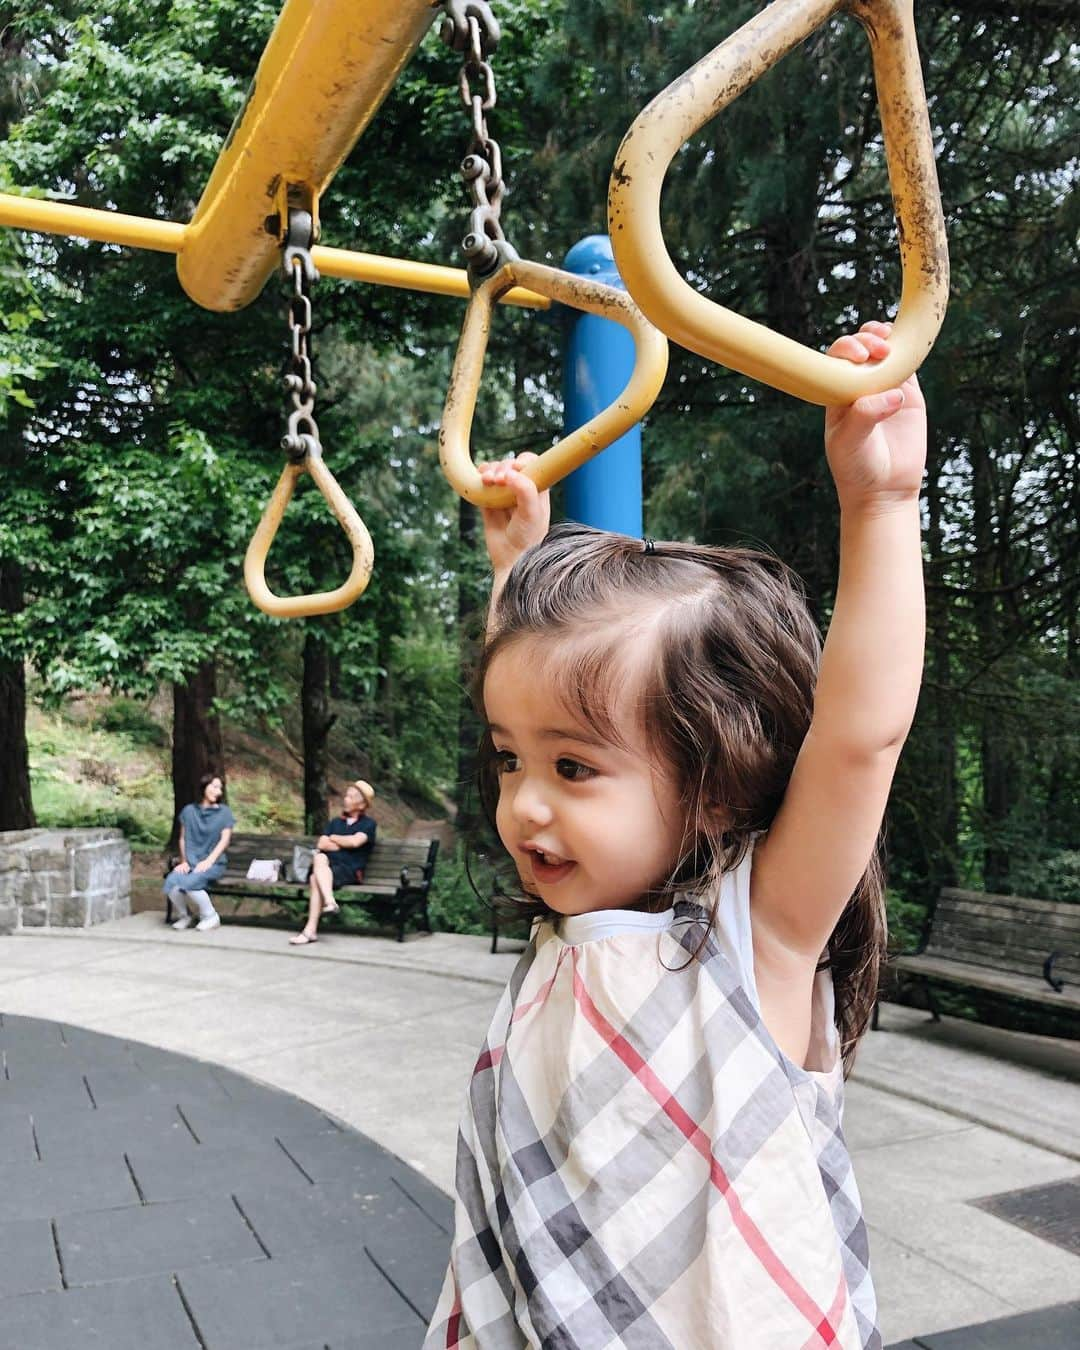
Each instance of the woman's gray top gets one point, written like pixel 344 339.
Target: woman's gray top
pixel 203 827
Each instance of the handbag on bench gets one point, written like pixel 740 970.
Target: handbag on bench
pixel 264 869
pixel 302 859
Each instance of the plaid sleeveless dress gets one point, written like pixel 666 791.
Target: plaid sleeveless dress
pixel 640 1167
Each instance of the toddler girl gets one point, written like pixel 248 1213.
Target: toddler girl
pixel 691 790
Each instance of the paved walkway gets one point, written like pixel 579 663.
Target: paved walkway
pixel 381 1037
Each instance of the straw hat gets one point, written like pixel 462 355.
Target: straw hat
pixel 365 790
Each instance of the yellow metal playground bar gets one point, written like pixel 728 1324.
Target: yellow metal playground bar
pixel 43 216
pixel 323 74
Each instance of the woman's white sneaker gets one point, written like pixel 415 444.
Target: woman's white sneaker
pixel 211 921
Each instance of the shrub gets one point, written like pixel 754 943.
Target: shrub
pixel 60 805
pixel 906 921
pixel 1053 878
pixel 133 720
pixel 454 904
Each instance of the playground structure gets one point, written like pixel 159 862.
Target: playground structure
pixel 326 69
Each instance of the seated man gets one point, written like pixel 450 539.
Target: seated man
pixel 341 854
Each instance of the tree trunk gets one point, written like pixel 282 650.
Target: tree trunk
pixel 469 815
pixel 335 676
pixel 997 763
pixel 16 806
pixel 808 539
pixel 385 685
pixel 317 721
pixel 16 803
pixel 1063 795
pixel 197 746
pixel 942 847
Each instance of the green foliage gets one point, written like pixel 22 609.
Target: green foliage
pixel 151 567
pixel 426 694
pixel 23 355
pixel 907 919
pixel 134 721
pixel 263 810
pixel 1053 878
pixel 136 481
pixel 459 901
pixel 61 805
pixel 88 775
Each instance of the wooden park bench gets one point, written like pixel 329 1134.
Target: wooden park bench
pixel 397 876
pixel 1004 945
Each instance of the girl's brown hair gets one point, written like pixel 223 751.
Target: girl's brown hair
pixel 725 703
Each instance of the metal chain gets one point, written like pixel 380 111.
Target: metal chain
pixel 469 27
pixel 302 436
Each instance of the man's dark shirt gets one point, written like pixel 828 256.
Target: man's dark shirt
pixel 347 864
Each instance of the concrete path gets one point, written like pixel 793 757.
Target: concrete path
pixel 382 1036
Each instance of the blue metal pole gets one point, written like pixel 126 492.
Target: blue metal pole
pixel 598 362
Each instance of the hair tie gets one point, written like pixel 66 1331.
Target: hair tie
pixel 650 545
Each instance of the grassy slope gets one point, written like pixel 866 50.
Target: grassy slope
pixel 102 763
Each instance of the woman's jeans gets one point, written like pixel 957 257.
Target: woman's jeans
pixel 184 889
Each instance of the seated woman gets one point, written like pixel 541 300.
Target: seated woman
pixel 341 854
pixel 206 827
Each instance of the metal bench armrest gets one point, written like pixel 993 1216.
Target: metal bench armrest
pixel 1056 983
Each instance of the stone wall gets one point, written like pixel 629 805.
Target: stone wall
pixel 63 878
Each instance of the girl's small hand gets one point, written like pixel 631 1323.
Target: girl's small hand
pixel 876 446
pixel 509 531
pixel 183 867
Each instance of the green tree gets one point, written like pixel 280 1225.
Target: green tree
pixel 124 115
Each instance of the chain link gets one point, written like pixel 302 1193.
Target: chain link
pixel 470 28
pixel 302 436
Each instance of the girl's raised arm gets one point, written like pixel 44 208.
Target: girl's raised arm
pixel 508 532
pixel 824 834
